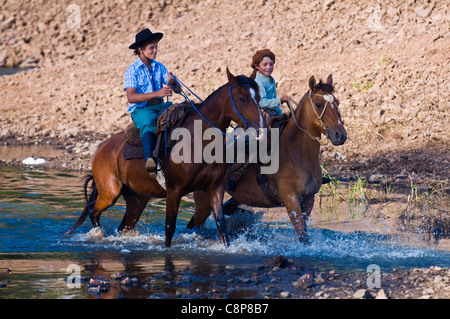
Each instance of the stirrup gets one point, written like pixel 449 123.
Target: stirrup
pixel 150 164
pixel 157 167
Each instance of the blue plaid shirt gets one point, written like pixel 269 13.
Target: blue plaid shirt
pixel 138 76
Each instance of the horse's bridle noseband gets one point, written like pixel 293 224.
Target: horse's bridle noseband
pixel 329 98
pixel 235 107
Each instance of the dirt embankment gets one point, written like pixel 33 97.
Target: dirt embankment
pixel 389 61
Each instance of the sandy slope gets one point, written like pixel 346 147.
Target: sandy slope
pixel 389 60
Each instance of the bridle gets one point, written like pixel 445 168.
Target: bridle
pixel 235 107
pixel 183 94
pixel 329 98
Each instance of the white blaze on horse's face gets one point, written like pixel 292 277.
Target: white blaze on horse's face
pixel 261 123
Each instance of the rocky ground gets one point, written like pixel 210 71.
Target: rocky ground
pixel 389 60
pixel 278 278
pixel 282 278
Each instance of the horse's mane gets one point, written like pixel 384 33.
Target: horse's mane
pixel 242 81
pixel 329 88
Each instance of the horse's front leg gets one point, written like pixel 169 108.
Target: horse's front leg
pixel 216 201
pixel 202 209
pixel 172 204
pixel 298 210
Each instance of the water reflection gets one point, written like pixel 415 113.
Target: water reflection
pixel 37 206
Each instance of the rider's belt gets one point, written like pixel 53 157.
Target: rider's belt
pixel 155 101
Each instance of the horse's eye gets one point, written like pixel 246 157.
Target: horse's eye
pixel 319 105
pixel 242 99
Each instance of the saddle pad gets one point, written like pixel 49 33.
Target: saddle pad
pixel 132 151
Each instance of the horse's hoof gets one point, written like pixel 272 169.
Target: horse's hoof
pixel 96 233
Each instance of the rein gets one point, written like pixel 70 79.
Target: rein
pixel 183 94
pixel 234 105
pixel 328 98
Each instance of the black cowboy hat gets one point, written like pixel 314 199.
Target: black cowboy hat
pixel 144 36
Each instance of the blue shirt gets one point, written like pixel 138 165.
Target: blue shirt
pixel 139 77
pixel 267 91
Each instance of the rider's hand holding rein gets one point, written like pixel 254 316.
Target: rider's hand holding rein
pixel 173 84
pixel 165 91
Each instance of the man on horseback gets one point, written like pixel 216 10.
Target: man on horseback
pixel 144 84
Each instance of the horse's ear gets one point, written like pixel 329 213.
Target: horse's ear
pixel 330 79
pixel 231 78
pixel 312 83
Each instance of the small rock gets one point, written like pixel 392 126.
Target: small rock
pixel 279 261
pixel 94 290
pixel 98 285
pixel 428 291
pixel 285 294
pixel 327 4
pixel 437 279
pixel 381 294
pixel 376 177
pixel 319 280
pixel 359 294
pixel 129 281
pixel 117 276
pixel 339 156
pixel 304 282
pixel 423 12
pixel 435 268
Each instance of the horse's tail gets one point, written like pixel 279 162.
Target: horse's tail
pixel 90 201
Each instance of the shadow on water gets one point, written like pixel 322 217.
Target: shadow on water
pixel 37 206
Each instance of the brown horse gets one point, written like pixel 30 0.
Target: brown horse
pixel 299 176
pixel 113 176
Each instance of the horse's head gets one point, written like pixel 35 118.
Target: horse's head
pixel 326 105
pixel 244 96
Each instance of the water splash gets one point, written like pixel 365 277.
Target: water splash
pixel 253 238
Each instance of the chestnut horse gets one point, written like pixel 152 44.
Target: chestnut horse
pixel 113 176
pixel 299 176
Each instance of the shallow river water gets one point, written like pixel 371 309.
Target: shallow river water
pixel 37 206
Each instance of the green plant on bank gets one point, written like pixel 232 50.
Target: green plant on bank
pixel 422 199
pixel 332 190
pixel 357 197
pixel 388 188
pixel 332 187
pixel 363 86
pixel 384 59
